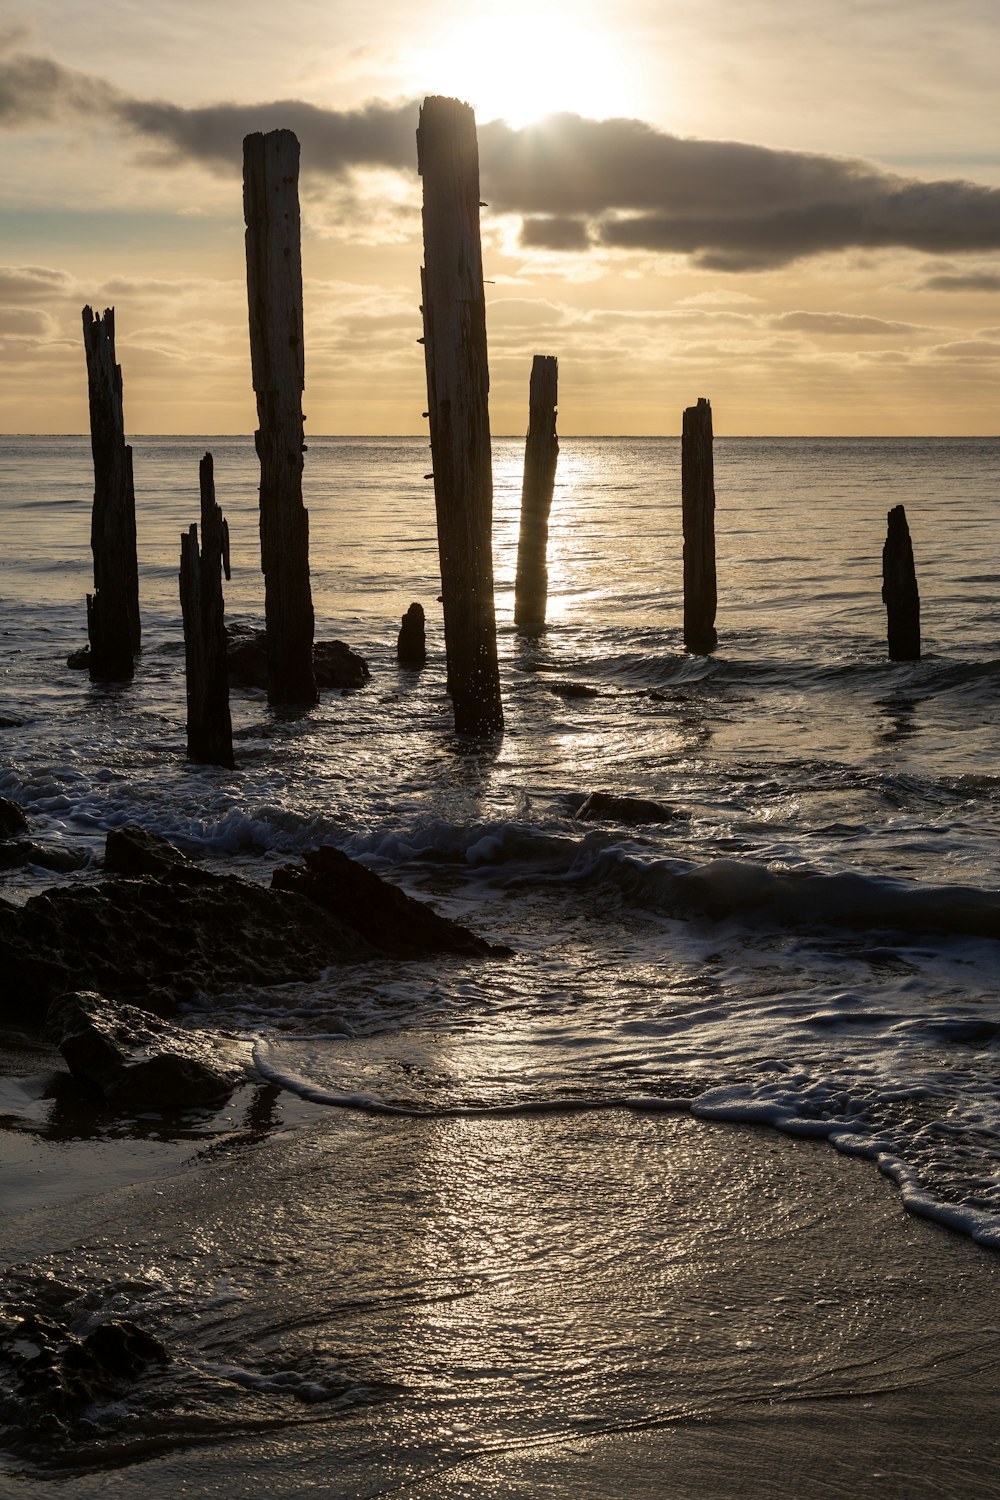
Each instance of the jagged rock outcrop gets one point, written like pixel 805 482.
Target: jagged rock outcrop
pixel 134 1059
pixel 169 929
pixel 381 912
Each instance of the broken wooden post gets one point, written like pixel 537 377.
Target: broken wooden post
pixel 531 583
pixel 454 309
pixel 698 519
pixel 411 643
pixel 113 608
pixel 209 725
pixel 899 589
pixel 274 291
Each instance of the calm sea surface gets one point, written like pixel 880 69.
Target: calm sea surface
pixel 811 941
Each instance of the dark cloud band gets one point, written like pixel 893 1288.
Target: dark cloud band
pixel 618 183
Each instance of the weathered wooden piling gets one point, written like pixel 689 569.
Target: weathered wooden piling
pixel 541 450
pixel 209 725
pixel 411 643
pixel 274 291
pixel 113 625
pixel 698 519
pixel 899 589
pixel 454 311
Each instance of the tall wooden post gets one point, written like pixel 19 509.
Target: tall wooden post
pixel 531 583
pixel 454 309
pixel 899 589
pixel 113 608
pixel 209 726
pixel 274 289
pixel 698 517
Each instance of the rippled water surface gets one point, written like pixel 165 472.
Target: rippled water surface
pixel 809 939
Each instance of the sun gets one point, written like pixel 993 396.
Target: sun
pixel 522 66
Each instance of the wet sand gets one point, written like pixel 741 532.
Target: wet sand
pixel 575 1306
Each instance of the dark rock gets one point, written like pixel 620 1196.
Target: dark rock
pixel 12 819
pixel 411 643
pixel 79 660
pixel 173 935
pixel 136 1060
pixel 159 939
pixel 335 665
pixel 600 805
pixel 381 912
pixel 59 1374
pixel 573 690
pixel 135 851
pixel 61 858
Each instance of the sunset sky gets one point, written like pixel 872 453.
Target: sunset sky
pixel 789 206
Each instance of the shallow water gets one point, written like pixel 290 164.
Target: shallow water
pixel 810 941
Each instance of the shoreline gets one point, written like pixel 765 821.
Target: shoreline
pixel 814 1333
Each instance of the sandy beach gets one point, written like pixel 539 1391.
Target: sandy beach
pixel 356 1306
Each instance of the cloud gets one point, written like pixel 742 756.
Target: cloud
pixel 38 89
pixel 841 323
pixel 32 283
pixel 973 281
pixel 730 205
pixel 617 184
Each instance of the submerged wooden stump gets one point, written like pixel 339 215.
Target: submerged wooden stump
pixel 454 309
pixel 113 625
pixel 209 725
pixel 698 518
pixel 411 643
pixel 899 589
pixel 274 290
pixel 541 451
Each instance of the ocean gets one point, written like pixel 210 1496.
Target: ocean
pixel 809 940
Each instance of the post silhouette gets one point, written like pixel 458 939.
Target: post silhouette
pixel 209 725
pixel 541 450
pixel 899 589
pixel 274 292
pixel 411 643
pixel 454 313
pixel 698 519
pixel 113 624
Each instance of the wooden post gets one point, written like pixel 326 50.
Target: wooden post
pixel 113 608
pixel 411 643
pixel 454 309
pixel 698 517
pixel 541 451
pixel 209 726
pixel 899 589
pixel 274 290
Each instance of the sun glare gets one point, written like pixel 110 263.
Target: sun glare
pixel 523 66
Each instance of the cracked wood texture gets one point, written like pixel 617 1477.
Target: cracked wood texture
pixel 454 311
pixel 899 589
pixel 541 450
pixel 209 724
pixel 113 625
pixel 274 293
pixel 698 520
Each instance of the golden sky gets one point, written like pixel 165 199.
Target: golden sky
pixel 789 206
